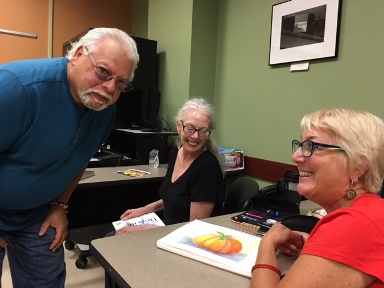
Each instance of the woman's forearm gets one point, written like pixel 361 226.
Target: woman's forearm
pixel 264 276
pixel 155 206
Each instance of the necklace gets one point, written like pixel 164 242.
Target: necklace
pixel 349 205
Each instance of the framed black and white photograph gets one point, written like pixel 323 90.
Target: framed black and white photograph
pixel 303 30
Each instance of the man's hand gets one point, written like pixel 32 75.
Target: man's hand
pixel 56 218
pixel 2 242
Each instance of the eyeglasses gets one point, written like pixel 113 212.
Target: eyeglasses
pixel 308 147
pixel 105 75
pixel 191 130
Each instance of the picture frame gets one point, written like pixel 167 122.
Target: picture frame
pixel 303 30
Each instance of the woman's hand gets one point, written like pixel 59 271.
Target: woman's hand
pixel 130 229
pixel 286 241
pixel 132 213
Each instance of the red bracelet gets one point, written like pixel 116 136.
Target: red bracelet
pixel 270 267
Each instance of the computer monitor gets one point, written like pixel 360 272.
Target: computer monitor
pixel 152 108
pixel 138 109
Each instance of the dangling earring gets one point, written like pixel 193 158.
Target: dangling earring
pixel 350 193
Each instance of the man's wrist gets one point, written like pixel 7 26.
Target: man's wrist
pixel 63 205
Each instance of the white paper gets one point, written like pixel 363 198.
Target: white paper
pixel 300 66
pixel 146 219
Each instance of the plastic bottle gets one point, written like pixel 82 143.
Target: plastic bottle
pixel 156 161
pixel 154 158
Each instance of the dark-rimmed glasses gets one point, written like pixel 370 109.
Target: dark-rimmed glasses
pixel 191 130
pixel 105 75
pixel 308 147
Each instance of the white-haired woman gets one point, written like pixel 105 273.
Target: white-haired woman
pixel 340 158
pixel 193 185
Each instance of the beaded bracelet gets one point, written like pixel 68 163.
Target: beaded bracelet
pixel 64 206
pixel 267 266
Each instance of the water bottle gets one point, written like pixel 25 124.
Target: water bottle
pixel 157 162
pixel 154 158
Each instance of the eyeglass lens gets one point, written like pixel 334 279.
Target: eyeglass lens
pixel 191 130
pixel 105 75
pixel 306 147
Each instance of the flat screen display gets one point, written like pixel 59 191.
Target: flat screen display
pixel 138 109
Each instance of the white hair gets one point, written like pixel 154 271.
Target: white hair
pixel 94 36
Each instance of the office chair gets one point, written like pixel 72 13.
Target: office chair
pixel 285 188
pixel 239 196
pixel 303 223
pixel 270 191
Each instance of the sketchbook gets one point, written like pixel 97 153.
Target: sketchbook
pixel 146 219
pixel 225 248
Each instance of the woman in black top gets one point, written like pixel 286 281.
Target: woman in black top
pixel 193 187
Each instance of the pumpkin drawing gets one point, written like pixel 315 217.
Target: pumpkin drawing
pixel 219 243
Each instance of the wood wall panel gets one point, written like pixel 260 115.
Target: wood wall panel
pixel 70 17
pixel 265 169
pixel 27 17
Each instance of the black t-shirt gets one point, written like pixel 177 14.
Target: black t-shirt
pixel 202 181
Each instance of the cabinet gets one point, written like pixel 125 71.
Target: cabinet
pixel 136 144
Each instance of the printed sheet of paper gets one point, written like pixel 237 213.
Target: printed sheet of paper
pixel 146 219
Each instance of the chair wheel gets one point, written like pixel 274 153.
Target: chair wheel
pixel 69 245
pixel 81 263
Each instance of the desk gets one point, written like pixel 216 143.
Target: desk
pixel 307 205
pixel 106 176
pixel 139 132
pixel 133 260
pixel 104 197
pixel 99 200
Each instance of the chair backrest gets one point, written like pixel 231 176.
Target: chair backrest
pixel 303 223
pixel 270 191
pixel 285 188
pixel 240 193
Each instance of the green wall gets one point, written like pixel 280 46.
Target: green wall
pixel 259 107
pixel 204 48
pixel 170 23
pixel 140 18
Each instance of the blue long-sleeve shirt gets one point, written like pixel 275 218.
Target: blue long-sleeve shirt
pixel 45 138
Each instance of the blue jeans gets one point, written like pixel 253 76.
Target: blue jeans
pixel 31 262
pixel 2 254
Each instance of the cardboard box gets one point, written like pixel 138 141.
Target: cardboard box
pixel 233 158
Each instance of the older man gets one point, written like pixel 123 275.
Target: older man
pixel 61 111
